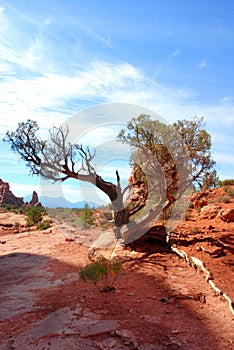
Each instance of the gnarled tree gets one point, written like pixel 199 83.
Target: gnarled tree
pixel 58 160
pixel 165 168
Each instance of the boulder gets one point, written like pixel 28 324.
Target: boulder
pixel 227 215
pixel 7 197
pixel 199 199
pixel 103 246
pixel 209 211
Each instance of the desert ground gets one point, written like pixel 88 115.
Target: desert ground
pixel 164 298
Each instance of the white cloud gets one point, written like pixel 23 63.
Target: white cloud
pixel 48 21
pixel 47 98
pixel 34 54
pixel 202 64
pixel 175 53
pixel 99 79
pixel 23 190
pixel 51 97
pixel 227 100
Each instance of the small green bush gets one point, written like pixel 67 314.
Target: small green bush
pixel 9 207
pixel 18 211
pixel 34 215
pixel 43 225
pixel 102 273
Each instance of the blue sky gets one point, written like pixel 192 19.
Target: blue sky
pixel 60 57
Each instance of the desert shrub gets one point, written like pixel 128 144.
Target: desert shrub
pixel 227 182
pixel 43 225
pixel 102 273
pixel 77 222
pixel 65 214
pixel 196 230
pixel 223 199
pixel 16 225
pixel 9 207
pixel 85 217
pixel 34 215
pixel 18 211
pixel 229 191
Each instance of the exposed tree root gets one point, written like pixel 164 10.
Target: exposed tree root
pixel 198 264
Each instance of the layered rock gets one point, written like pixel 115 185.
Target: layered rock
pixel 209 211
pixel 199 199
pixel 7 197
pixel 227 215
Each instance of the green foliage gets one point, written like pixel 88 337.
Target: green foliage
pixel 198 143
pixel 9 207
pixel 25 141
pixel 85 219
pixel 227 182
pixel 102 273
pixel 34 215
pixel 157 137
pixel 13 208
pixel 19 211
pixel 210 180
pixel 181 154
pixel 43 225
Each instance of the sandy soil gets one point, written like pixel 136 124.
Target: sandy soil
pixel 160 301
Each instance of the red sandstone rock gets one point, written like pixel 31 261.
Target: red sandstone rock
pixel 227 215
pixel 209 211
pixel 7 197
pixel 35 201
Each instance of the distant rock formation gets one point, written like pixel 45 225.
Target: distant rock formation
pixel 7 197
pixel 35 201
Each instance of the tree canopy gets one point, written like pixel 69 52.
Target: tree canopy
pixel 184 145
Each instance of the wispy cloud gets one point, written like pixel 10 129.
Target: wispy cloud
pixel 1 10
pixel 48 77
pixel 203 64
pixel 48 21
pixel 175 53
pixel 20 189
